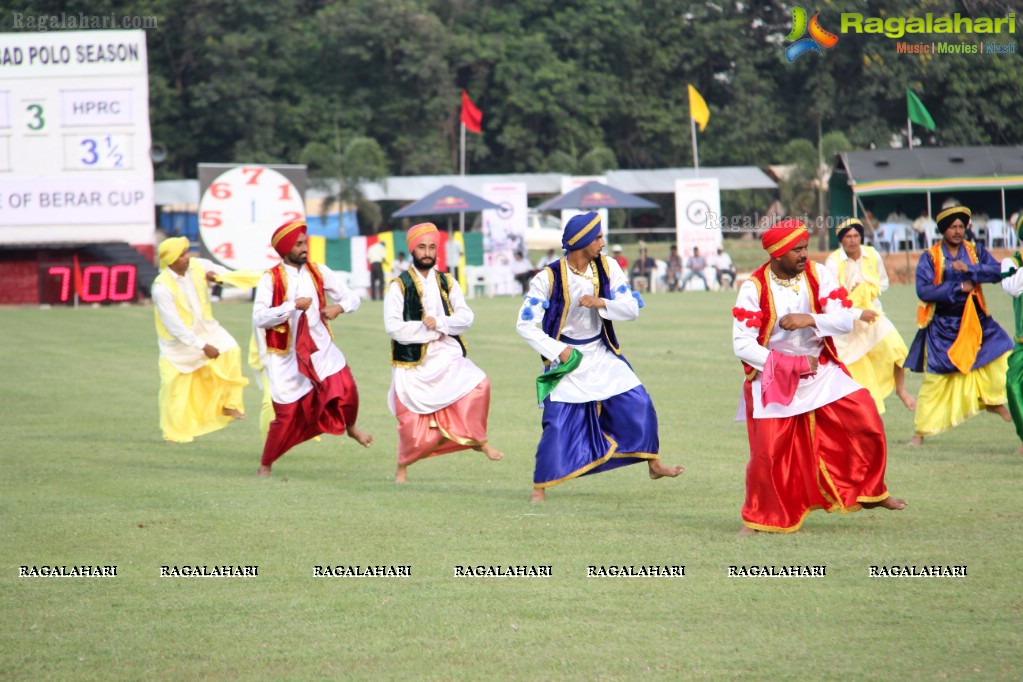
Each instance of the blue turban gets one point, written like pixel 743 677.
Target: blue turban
pixel 580 231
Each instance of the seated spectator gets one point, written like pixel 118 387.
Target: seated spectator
pixel 924 226
pixel 616 253
pixel 674 274
pixel 523 271
pixel 695 263
pixel 642 270
pixel 546 260
pixel 723 268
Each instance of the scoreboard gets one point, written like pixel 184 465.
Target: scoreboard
pixel 75 138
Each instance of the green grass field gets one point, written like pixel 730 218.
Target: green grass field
pixel 86 479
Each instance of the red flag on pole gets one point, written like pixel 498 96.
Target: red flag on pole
pixel 472 117
pixel 78 278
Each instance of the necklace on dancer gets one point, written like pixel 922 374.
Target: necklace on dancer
pixel 590 274
pixel 787 283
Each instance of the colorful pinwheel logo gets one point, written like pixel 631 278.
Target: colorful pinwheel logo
pixel 819 37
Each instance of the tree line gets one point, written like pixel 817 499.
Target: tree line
pixel 365 88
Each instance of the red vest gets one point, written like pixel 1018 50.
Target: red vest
pixel 770 315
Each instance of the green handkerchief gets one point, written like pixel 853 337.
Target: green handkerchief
pixel 545 383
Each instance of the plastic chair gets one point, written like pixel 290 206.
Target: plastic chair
pixel 997 231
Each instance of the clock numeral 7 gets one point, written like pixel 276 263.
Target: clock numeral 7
pixel 253 174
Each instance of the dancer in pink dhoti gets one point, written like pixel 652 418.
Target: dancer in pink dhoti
pixel 441 399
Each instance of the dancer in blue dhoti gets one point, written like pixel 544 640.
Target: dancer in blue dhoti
pixel 596 414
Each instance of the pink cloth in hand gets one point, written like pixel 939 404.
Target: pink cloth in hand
pixel 781 376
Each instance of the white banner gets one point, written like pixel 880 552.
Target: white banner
pixel 698 213
pixel 504 233
pixel 75 138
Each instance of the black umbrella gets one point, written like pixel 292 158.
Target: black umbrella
pixel 595 195
pixel 447 199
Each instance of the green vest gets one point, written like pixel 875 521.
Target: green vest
pixel 410 355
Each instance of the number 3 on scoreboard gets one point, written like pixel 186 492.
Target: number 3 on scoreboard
pixel 36 121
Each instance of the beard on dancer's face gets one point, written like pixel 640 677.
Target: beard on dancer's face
pixel 424 263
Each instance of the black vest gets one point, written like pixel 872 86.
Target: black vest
pixel 410 355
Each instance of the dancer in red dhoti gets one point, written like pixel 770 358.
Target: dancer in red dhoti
pixel 816 438
pixel 311 386
pixel 441 399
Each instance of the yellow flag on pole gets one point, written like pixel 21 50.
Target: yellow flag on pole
pixel 698 110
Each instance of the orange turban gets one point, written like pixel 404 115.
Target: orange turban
pixel 416 233
pixel 783 237
pixel 285 236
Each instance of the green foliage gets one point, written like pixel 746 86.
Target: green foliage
pixel 238 81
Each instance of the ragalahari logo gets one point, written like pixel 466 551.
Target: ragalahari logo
pixel 819 36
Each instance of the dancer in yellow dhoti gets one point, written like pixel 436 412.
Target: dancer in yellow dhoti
pixel 200 363
pixel 257 361
pixel 959 347
pixel 873 351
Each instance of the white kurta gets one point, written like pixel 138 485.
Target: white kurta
pixel 601 374
pixel 287 384
pixel 444 375
pixel 185 350
pixel 865 335
pixel 1012 285
pixel 830 383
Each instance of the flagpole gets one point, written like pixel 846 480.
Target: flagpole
pixel 461 216
pixel 696 156
pixel 909 124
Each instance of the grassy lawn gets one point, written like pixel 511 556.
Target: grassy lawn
pixel 86 479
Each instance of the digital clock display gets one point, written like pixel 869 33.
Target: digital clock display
pixel 93 282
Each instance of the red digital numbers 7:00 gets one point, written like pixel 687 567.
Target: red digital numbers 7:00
pixel 97 284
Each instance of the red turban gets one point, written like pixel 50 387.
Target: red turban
pixel 783 237
pixel 285 236
pixel 416 233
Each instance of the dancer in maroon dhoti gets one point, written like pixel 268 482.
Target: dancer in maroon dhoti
pixel 816 439
pixel 311 386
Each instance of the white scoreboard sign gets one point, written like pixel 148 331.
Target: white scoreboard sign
pixel 74 138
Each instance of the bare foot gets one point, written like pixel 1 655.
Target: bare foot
pixel 231 412
pixel 906 399
pixel 916 441
pixel 399 475
pixel 490 451
pixel 360 437
pixel 1000 410
pixel 539 494
pixel 893 503
pixel 1020 451
pixel 264 471
pixel 658 470
pixel 746 530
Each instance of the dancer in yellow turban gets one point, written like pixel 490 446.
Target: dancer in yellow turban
pixel 200 363
pixel 873 351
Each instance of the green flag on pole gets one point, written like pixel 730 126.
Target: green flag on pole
pixel 917 111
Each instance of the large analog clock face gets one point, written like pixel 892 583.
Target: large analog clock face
pixel 239 212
